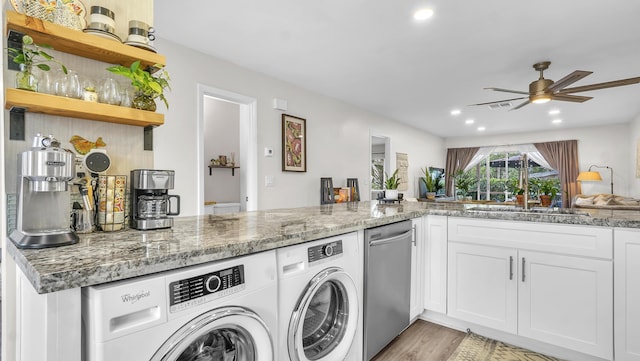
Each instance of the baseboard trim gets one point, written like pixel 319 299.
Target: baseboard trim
pixel 533 345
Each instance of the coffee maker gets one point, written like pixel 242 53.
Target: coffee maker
pixel 151 204
pixel 43 205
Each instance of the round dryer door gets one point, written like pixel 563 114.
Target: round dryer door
pixel 323 324
pixel 227 333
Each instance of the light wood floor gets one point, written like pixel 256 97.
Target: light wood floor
pixel 422 341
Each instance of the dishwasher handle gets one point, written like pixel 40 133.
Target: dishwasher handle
pixel 380 242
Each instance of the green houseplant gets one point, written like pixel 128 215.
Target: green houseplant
pixel 549 189
pixel 148 87
pixel 513 187
pixel 464 182
pixel 391 185
pixel 431 182
pixel 28 56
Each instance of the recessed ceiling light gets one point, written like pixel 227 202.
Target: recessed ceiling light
pixel 456 112
pixel 423 14
pixel 481 129
pixel 554 111
pixel 469 121
pixel 556 121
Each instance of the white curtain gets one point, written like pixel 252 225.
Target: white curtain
pixel 479 156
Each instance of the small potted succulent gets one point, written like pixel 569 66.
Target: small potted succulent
pixel 391 186
pixel 28 56
pixel 148 87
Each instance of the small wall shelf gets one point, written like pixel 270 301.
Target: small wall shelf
pixel 76 108
pixel 81 44
pixel 233 169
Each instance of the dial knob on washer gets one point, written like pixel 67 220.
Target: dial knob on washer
pixel 328 250
pixel 213 283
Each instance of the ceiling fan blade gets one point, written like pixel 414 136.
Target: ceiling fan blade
pixel 568 80
pixel 609 84
pixel 499 101
pixel 520 105
pixel 507 90
pixel 571 98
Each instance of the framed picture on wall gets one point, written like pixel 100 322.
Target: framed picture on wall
pixel 294 144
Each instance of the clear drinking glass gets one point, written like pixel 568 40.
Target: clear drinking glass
pixel 68 85
pixel 109 92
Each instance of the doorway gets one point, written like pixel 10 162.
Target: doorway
pixel 246 160
pixel 380 151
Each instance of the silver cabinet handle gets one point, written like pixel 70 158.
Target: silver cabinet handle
pixel 390 239
pixel 510 268
pixel 413 240
pixel 523 262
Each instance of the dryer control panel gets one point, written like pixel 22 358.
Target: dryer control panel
pixel 322 251
pixel 197 290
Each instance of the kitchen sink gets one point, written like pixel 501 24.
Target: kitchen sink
pixel 532 210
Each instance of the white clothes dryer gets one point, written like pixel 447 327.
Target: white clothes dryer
pixel 225 310
pixel 320 300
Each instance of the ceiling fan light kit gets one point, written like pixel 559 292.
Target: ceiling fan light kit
pixel 544 90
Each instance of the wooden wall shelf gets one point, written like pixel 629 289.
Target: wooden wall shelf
pixel 81 44
pixel 233 169
pixel 75 108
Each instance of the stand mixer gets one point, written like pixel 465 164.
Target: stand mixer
pixel 43 195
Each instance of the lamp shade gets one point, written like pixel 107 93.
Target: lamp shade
pixel 589 176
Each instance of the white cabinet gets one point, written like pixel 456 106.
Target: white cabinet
pixel 627 294
pixel 566 301
pixel 415 302
pixel 548 282
pixel 483 285
pixel 435 263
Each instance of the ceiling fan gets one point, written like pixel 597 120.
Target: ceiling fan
pixel 544 90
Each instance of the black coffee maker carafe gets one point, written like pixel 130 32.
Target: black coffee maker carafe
pixel 151 205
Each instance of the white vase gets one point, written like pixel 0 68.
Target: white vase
pixel 391 194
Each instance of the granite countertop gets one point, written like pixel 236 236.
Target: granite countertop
pixel 102 257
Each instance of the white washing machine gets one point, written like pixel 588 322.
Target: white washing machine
pixel 320 300
pixel 223 310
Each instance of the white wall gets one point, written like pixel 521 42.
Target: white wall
pixel 607 145
pixel 634 157
pixel 221 137
pixel 337 133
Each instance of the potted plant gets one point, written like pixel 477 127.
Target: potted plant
pixel 431 182
pixel 514 188
pixel 148 87
pixel 549 189
pixel 464 182
pixel 391 185
pixel 28 56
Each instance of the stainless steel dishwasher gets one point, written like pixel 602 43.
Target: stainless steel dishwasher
pixel 387 283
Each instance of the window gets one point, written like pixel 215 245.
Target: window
pixel 497 172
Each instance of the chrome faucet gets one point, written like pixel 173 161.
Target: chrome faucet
pixel 524 176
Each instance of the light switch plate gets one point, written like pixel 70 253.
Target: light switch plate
pixel 268 181
pixel 268 152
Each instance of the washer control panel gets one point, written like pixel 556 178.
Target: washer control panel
pixel 322 251
pixel 197 290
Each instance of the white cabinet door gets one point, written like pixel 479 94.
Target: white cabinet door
pixel 627 294
pixel 435 263
pixel 415 303
pixel 566 301
pixel 483 285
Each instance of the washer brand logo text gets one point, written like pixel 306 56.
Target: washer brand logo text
pixel 128 297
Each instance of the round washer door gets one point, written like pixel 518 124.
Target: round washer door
pixel 324 322
pixel 227 333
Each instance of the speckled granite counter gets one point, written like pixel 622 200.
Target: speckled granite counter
pixel 104 257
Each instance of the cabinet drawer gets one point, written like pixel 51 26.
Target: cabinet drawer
pixel 575 240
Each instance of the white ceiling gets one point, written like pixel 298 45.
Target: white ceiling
pixel 374 55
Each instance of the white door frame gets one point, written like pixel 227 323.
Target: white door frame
pixel 248 145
